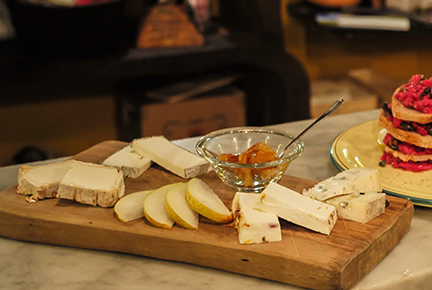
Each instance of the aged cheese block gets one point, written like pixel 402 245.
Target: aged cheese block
pixel 40 182
pixel 360 208
pixel 92 184
pixel 254 226
pixel 170 156
pixel 127 160
pixel 354 180
pixel 297 208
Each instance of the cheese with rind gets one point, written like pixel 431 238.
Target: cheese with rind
pixel 254 226
pixel 355 180
pixel 92 184
pixel 360 208
pixel 170 156
pixel 297 208
pixel 130 162
pixel 42 181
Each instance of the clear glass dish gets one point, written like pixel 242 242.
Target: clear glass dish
pixel 250 177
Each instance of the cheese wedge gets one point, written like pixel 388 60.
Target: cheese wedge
pixel 360 208
pixel 178 208
pixel 40 182
pixel 356 180
pixel 170 156
pixel 154 208
pixel 297 208
pixel 127 160
pixel 92 184
pixel 130 207
pixel 254 226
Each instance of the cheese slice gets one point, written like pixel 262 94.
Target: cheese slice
pixel 170 156
pixel 92 184
pixel 297 208
pixel 360 208
pixel 40 182
pixel 254 226
pixel 127 160
pixel 355 180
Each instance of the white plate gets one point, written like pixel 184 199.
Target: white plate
pixel 358 147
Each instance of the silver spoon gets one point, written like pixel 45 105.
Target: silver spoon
pixel 330 110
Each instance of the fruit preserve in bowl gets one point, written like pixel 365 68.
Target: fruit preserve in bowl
pixel 249 158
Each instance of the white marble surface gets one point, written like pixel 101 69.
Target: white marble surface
pixel 36 266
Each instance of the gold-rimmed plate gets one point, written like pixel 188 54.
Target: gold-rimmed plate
pixel 358 147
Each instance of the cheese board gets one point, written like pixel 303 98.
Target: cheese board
pixel 303 258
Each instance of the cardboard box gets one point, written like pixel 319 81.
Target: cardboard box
pixel 218 109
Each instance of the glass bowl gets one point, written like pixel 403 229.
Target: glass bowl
pixel 248 177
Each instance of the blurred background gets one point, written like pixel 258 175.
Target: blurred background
pixel 78 72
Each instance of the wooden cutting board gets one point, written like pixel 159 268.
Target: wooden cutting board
pixel 303 258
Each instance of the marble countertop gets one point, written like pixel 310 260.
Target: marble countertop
pixel 27 265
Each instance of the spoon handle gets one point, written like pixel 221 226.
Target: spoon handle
pixel 330 110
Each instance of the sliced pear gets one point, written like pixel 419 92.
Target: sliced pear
pixel 130 207
pixel 179 210
pixel 206 202
pixel 154 208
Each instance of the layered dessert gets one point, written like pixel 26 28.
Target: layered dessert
pixel 408 121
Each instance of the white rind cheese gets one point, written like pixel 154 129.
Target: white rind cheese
pixel 360 208
pixel 127 160
pixel 170 156
pixel 92 184
pixel 254 226
pixel 356 180
pixel 40 182
pixel 297 208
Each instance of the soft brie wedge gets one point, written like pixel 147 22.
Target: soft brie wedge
pixel 92 184
pixel 360 208
pixel 40 182
pixel 127 160
pixel 170 156
pixel 297 208
pixel 355 180
pixel 254 226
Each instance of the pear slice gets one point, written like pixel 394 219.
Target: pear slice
pixel 130 207
pixel 154 208
pixel 206 202
pixel 179 210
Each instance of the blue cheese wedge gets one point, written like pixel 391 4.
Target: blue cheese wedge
pixel 40 182
pixel 92 184
pixel 297 208
pixel 356 180
pixel 254 226
pixel 170 156
pixel 360 208
pixel 127 160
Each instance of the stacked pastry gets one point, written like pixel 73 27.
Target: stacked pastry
pixel 408 120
